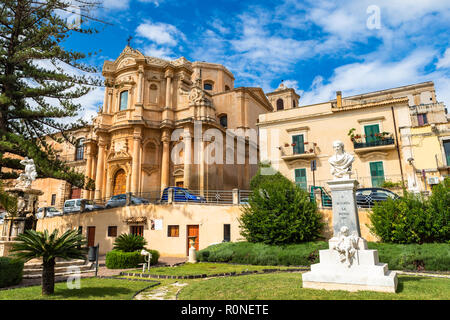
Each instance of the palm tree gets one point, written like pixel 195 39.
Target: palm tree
pixel 33 244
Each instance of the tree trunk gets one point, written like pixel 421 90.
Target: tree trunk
pixel 48 277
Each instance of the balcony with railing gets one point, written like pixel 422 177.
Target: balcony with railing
pixel 378 142
pixel 293 152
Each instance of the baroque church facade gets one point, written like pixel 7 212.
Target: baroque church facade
pixel 154 129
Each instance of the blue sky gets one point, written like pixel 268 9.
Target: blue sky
pixel 316 47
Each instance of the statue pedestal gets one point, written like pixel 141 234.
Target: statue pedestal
pixel 5 248
pixel 365 273
pixel 348 264
pixel 345 211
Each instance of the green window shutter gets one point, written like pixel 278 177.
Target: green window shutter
pixel 300 178
pixel 299 147
pixel 377 173
pixel 123 100
pixel 370 132
pixel 447 152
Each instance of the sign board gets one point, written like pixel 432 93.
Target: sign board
pixel 158 224
pixel 313 165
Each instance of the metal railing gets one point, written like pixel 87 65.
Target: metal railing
pixel 309 148
pixel 375 143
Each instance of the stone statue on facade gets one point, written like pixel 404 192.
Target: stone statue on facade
pixel 347 246
pixel 26 178
pixel 341 161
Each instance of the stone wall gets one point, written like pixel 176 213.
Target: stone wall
pixel 210 219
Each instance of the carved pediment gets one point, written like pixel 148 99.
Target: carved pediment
pixel 150 168
pixel 121 155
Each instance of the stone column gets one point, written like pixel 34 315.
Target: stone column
pixel 100 170
pixel 93 175
pixel 165 160
pixel 187 158
pixel 136 162
pixel 110 104
pixel 139 99
pixel 169 75
pixel 88 171
pixel 202 166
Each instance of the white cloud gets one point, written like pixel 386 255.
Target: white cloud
pixel 444 61
pixel 155 2
pixel 159 52
pixel 160 33
pixel 115 4
pixel 357 78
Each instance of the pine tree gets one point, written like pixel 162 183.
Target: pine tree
pixel 39 80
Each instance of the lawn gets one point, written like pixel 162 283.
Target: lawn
pixel 91 289
pixel 189 269
pixel 288 286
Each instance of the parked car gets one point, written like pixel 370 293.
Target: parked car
pixel 367 197
pixel 47 212
pixel 181 195
pixel 75 205
pixel 120 200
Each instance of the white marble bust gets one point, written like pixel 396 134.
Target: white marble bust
pixel 341 161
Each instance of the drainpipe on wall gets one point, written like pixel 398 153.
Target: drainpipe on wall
pixel 397 146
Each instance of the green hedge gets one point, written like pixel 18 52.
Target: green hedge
pixel 432 256
pixel 261 254
pixel 11 271
pixel 414 219
pixel 123 260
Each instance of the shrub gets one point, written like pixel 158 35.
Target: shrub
pixel 129 243
pixel 429 256
pixel 412 219
pixel 155 256
pixel 438 213
pixel 261 254
pixel 11 271
pixel 279 212
pixel 116 259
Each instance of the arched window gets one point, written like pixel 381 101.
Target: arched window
pixel 79 150
pixel 223 120
pixel 123 100
pixel 208 85
pixel 280 104
pixel 227 88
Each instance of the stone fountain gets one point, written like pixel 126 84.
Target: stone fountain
pixel 27 204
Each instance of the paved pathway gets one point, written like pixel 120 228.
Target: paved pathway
pixel 168 292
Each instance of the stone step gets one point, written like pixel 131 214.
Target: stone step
pixel 58 269
pixel 60 274
pixel 36 265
